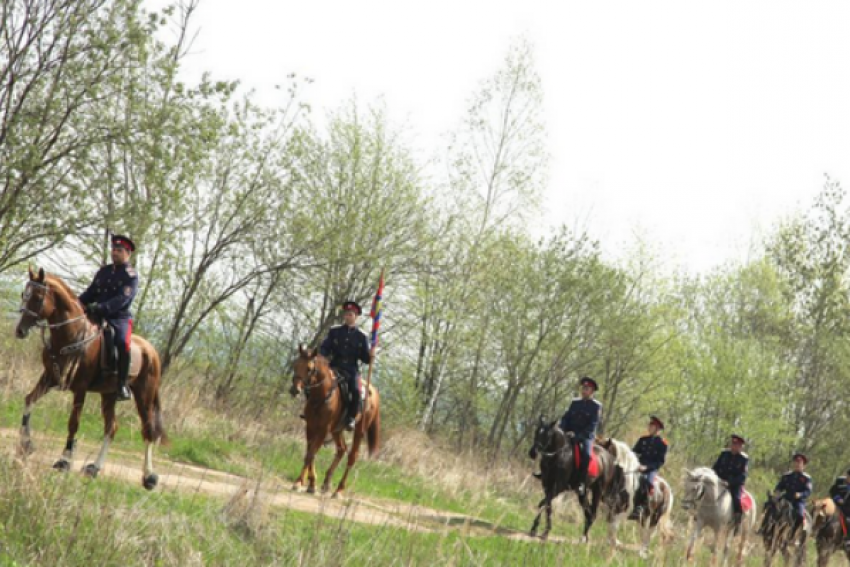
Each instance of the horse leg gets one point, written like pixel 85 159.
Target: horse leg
pixel 590 510
pixel 692 543
pixel 533 531
pixel 339 440
pixel 352 457
pixel 25 445
pixel 64 462
pixel 314 443
pixel 147 414
pixel 107 409
pixel 545 535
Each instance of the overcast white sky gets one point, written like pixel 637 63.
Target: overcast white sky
pixel 692 124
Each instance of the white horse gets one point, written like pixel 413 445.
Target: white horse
pixel 711 505
pixel 620 504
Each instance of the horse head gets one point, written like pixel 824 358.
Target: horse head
pixel 822 512
pixel 37 303
pixel 697 481
pixel 544 437
pixel 305 370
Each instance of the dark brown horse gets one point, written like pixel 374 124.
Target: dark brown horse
pixel 828 529
pixel 323 412
pixel 778 532
pixel 72 361
pixel 557 463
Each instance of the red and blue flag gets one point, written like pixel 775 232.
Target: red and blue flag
pixel 377 307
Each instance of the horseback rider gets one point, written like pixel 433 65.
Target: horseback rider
pixel 580 422
pixel 840 494
pixel 109 298
pixel 651 450
pixel 795 486
pixel 345 346
pixel 732 467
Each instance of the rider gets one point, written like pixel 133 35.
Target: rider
pixel 345 346
pixel 840 494
pixel 582 419
pixel 651 450
pixel 795 487
pixel 109 297
pixel 731 466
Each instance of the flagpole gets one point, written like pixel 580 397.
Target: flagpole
pixel 372 358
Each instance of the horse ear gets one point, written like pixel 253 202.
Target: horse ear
pixel 31 273
pixel 301 349
pixel 41 275
pixel 553 424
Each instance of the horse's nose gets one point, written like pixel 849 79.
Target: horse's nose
pixel 293 391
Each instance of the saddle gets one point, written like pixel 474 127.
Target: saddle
pixel 109 353
pixel 593 468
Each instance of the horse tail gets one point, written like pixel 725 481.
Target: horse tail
pixel 158 428
pixel 373 434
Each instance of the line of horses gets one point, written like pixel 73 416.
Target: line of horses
pixel 614 480
pixel 72 361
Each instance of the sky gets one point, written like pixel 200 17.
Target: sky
pixel 691 127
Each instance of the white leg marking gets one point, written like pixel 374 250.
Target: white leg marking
pixel 101 457
pixel 148 459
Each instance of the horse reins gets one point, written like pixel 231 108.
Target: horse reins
pixel 76 347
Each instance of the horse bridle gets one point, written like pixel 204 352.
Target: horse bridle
pixel 700 494
pixel 307 384
pixel 41 321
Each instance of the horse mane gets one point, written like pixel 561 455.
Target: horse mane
pixel 63 291
pixel 625 457
pixel 705 473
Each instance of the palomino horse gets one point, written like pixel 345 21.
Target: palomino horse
pixel 72 360
pixel 778 533
pixel 711 504
pixel 557 463
pixel 828 528
pixel 325 407
pixel 620 500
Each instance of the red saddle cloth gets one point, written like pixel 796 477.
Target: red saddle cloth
pixel 593 469
pixel 746 501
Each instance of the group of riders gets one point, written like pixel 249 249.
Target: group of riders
pixel 581 421
pixel 111 294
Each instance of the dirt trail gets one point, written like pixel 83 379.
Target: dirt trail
pixel 187 478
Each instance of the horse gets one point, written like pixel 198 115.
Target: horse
pixel 71 357
pixel 323 412
pixel 621 498
pixel 711 505
pixel 557 463
pixel 778 533
pixel 828 528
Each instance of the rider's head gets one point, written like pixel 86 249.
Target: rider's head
pixel 350 311
pixel 655 425
pixel 588 387
pixel 800 461
pixel 122 247
pixel 736 443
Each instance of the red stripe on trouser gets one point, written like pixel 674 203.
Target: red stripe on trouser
pixel 843 524
pixel 129 334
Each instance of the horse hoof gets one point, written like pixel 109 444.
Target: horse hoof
pixel 311 490
pixel 336 494
pixel 91 470
pixel 296 487
pixel 544 537
pixel 325 489
pixel 150 481
pixel 62 465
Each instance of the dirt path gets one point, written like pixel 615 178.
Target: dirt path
pixel 184 478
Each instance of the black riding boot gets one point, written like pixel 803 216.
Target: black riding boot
pixel 353 406
pixel 736 522
pixel 581 478
pixel 123 371
pixel 640 502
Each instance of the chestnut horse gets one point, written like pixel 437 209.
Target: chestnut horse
pixel 72 361
pixel 828 529
pixel 323 411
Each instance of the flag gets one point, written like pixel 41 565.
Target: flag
pixel 375 314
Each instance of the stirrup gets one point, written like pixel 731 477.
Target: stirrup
pixel 123 393
pixel 538 475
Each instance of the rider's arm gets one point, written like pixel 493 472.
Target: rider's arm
pixel 88 296
pixel 123 299
pixel 808 491
pixel 660 459
pixel 363 350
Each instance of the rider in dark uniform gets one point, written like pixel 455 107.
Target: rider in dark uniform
pixel 732 467
pixel 582 420
pixel 840 494
pixel 796 487
pixel 109 298
pixel 652 452
pixel 345 346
